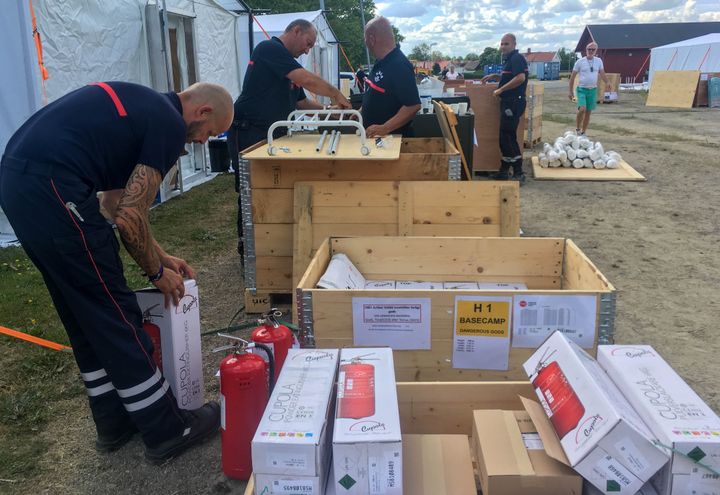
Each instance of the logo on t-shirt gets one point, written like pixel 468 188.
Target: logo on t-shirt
pixel 378 76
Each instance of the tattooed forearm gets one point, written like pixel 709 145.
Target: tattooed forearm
pixel 132 217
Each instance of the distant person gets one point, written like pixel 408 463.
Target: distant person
pixel 589 67
pixel 443 74
pixel 360 76
pixel 272 88
pixel 451 75
pixel 511 91
pixel 392 98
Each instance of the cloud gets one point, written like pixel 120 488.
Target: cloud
pixel 404 10
pixel 653 5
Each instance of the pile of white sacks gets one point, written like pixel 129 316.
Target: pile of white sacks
pixel 576 151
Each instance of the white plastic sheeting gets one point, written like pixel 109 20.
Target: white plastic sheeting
pixel 701 53
pixel 323 58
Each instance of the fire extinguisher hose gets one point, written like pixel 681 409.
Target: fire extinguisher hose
pixel 271 364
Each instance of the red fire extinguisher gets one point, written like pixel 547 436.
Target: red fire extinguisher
pixel 356 398
pixel 274 335
pixel 246 382
pixel 561 403
pixel 153 332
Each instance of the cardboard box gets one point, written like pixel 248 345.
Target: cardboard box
pixel 367 444
pixel 512 459
pixel 293 437
pixel 675 414
pixel 602 436
pixel 437 464
pixel 647 489
pixel 180 342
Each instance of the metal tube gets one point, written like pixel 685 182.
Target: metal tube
pixel 333 136
pixel 321 142
pixel 336 143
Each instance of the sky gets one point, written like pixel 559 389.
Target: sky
pixel 462 26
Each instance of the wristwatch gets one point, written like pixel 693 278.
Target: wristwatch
pixel 157 276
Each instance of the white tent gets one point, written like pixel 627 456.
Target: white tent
pixel 128 40
pixel 323 58
pixel 701 53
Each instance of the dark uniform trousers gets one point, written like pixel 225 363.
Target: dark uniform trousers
pixel 78 256
pixel 242 134
pixel 511 110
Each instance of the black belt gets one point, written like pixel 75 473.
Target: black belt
pixel 25 166
pixel 518 97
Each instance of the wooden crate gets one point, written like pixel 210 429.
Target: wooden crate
pixel 267 198
pixel 548 266
pixel 701 96
pixel 447 408
pixel 534 94
pixel 327 209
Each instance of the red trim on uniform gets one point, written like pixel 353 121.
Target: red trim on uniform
pixel 105 287
pixel 252 62
pixel 374 86
pixel 113 96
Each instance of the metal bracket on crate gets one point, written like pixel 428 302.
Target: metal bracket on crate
pixel 305 318
pixel 304 120
pixel 249 258
pixel 454 168
pixel 606 326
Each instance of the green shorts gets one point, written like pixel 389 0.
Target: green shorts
pixel 586 97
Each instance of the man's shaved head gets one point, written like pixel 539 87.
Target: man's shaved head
pixel 507 43
pixel 379 36
pixel 207 111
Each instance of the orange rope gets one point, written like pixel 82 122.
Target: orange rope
pixel 347 59
pixel 35 340
pixel 38 47
pixel 260 26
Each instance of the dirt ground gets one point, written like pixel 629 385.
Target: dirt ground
pixel 657 241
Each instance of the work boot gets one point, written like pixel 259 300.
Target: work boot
pixel 107 442
pixel 520 178
pixel 503 173
pixel 200 424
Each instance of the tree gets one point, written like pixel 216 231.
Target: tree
pixel 436 55
pixel 567 58
pixel 472 56
pixel 489 55
pixel 420 52
pixel 343 16
pixel 436 69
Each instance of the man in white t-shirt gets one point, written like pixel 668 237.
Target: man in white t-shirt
pixel 589 67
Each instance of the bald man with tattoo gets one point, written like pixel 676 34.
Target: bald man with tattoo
pixel 120 138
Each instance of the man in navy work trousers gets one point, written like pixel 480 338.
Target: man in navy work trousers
pixel 120 138
pixel 272 88
pixel 391 97
pixel 511 92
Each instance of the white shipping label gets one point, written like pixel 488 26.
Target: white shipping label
pixel 704 482
pixel 481 333
pixel 293 487
pixel 631 455
pixel 532 441
pixel 286 461
pixel 615 477
pixel 399 323
pixel 535 317
pixel 376 476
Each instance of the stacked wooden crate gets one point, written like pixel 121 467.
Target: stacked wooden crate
pixel 533 113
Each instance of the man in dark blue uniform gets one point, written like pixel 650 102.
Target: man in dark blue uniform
pixel 123 139
pixel 391 98
pixel 272 88
pixel 511 91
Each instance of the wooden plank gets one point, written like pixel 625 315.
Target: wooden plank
pixel 509 214
pixel 406 206
pixel 316 267
pixel 581 273
pixel 323 231
pixel 354 214
pixel 302 147
pixel 623 173
pixel 272 206
pixel 274 273
pixel 274 239
pixel 430 215
pixel 302 230
pixel 446 256
pixel 456 229
pixel 453 122
pixel 673 88
pixel 424 145
pixel 355 193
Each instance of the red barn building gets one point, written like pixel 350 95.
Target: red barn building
pixel 625 48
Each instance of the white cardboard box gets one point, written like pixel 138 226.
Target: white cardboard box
pixel 180 342
pixel 604 439
pixel 293 437
pixel 675 414
pixel 272 484
pixel 367 443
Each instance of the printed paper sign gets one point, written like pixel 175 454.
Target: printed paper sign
pixel 482 332
pixel 400 323
pixel 532 441
pixel 535 317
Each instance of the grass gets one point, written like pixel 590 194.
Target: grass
pixel 194 226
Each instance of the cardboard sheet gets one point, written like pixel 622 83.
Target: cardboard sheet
pixel 623 173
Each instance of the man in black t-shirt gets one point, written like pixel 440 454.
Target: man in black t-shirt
pixel 511 91
pixel 272 88
pixel 122 139
pixel 391 98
